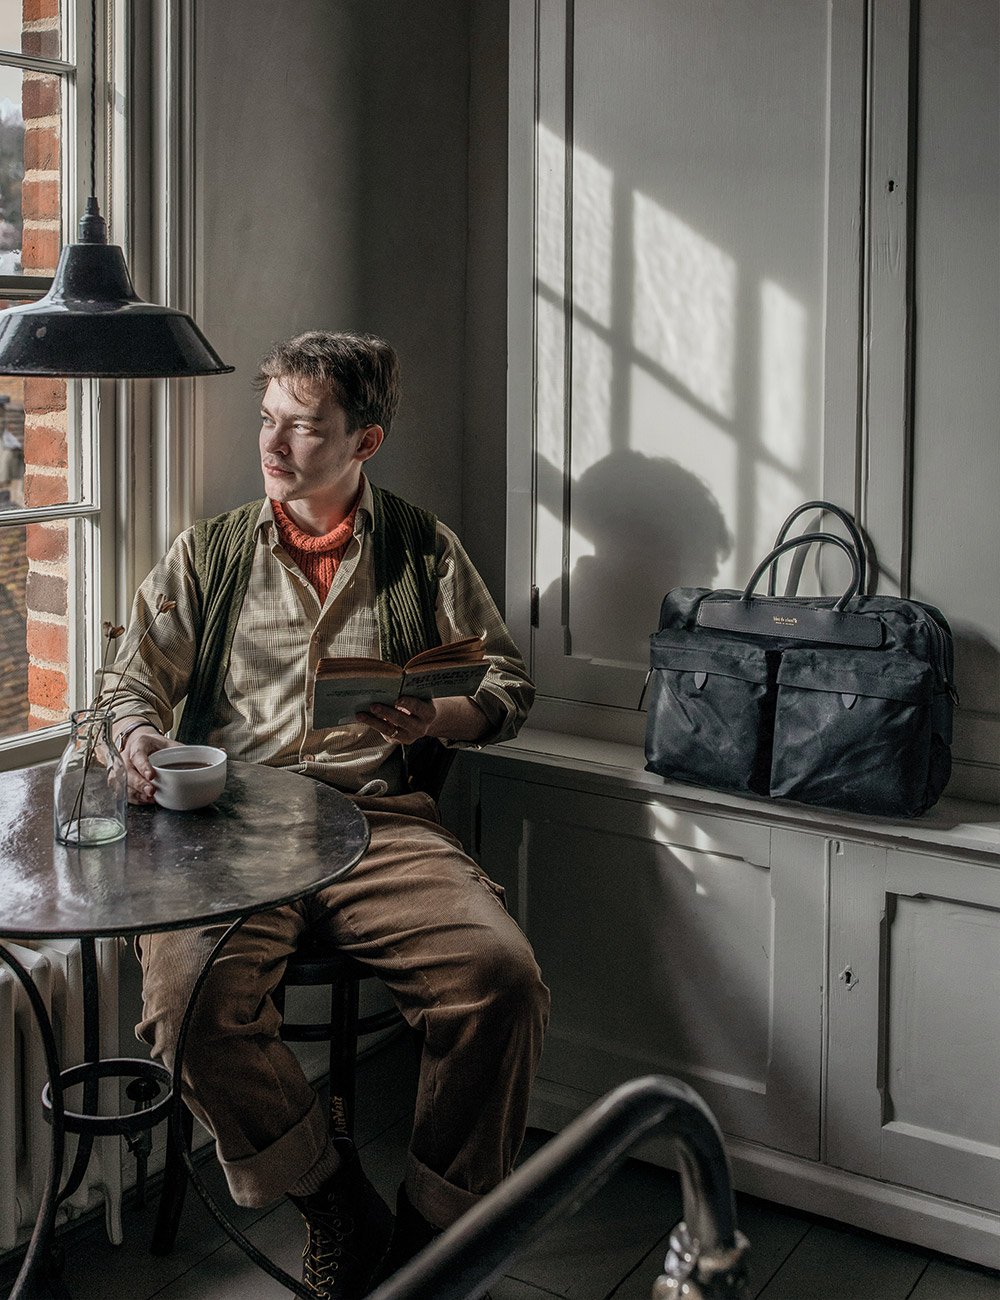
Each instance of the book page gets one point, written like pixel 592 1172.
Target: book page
pixel 346 666
pixel 338 699
pixel 457 679
pixel 467 651
pixel 346 686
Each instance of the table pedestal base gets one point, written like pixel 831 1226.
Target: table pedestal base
pixel 44 1256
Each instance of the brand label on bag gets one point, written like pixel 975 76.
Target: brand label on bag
pixel 772 617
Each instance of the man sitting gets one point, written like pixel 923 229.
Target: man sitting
pixel 326 565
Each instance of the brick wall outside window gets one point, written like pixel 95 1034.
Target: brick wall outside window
pixel 13 651
pixel 34 560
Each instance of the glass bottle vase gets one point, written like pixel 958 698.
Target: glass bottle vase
pixel 90 795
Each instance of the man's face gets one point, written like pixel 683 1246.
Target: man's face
pixel 306 453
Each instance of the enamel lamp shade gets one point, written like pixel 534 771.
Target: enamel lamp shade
pixel 92 324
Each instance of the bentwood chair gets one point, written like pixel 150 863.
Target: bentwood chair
pixel 308 966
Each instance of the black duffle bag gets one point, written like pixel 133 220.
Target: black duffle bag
pixel 844 702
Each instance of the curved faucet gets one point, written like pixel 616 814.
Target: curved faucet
pixel 708 1256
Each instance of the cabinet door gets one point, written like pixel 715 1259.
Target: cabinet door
pixel 673 943
pixel 914 1053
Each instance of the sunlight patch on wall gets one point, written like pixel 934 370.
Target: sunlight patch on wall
pixel 592 233
pixel 684 293
pixel 548 551
pixel 550 385
pixel 782 375
pixel 696 840
pixel 776 494
pixel 550 234
pixel 592 366
pixel 580 548
pixel 548 548
pixel 666 425
pixel 664 822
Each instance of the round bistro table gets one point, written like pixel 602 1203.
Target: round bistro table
pixel 272 837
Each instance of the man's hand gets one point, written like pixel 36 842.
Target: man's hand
pixel 139 744
pixel 452 717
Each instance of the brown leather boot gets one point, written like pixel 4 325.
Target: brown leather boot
pixel 350 1228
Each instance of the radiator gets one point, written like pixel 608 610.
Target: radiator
pixel 55 967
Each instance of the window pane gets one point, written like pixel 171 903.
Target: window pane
pixel 31 27
pixel 30 181
pixel 36 639
pixel 11 442
pixel 39 463
pixel 13 643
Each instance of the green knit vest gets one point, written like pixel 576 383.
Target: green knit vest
pixel 405 554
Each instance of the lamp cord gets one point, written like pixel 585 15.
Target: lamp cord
pixel 93 99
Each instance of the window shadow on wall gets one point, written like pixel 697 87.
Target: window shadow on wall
pixel 650 525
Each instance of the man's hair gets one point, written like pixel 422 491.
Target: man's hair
pixel 359 370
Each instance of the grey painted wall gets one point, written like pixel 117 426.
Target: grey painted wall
pixel 956 455
pixel 352 172
pixel 332 192
pixel 277 159
pixel 485 446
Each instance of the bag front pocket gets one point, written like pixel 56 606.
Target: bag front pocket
pixel 710 712
pixel 852 731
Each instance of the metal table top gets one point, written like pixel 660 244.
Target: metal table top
pixel 271 837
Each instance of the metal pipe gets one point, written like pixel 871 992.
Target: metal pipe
pixel 41 1242
pixel 91 1053
pixel 708 1256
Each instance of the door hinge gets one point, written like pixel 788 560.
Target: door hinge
pixel 534 606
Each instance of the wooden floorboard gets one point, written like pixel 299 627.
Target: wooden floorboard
pixel 831 1262
pixel 585 1256
pixel 96 1270
pixel 953 1281
pixel 773 1234
pixel 510 1288
pixel 612 1247
pixel 227 1274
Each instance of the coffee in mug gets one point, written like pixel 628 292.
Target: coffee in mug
pixel 188 776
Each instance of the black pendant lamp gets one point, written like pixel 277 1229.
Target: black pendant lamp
pixel 91 323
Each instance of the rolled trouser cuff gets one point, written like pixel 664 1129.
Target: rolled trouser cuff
pixel 436 1200
pixel 257 1180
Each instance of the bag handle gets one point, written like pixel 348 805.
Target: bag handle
pixel 845 518
pixel 807 539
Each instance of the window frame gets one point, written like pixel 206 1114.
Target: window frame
pixel 92 405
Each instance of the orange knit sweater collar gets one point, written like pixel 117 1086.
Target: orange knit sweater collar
pixel 317 557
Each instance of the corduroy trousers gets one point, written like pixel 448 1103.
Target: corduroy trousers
pixel 419 913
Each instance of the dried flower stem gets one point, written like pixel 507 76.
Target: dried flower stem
pixel 163 606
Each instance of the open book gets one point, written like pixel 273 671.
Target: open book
pixel 348 686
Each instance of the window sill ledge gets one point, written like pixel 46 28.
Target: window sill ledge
pixel 610 767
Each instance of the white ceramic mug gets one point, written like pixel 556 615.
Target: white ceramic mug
pixel 188 776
